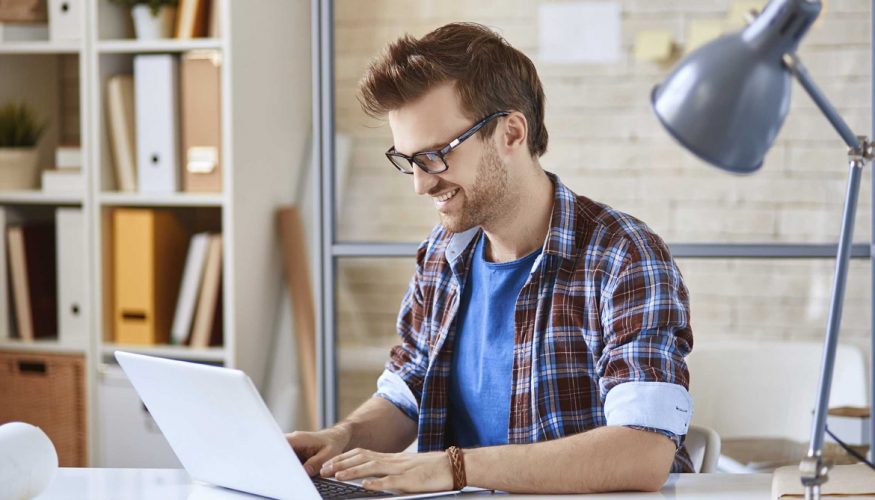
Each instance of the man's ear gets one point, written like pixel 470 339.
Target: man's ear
pixel 513 133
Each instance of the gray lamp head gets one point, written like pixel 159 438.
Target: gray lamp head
pixel 727 100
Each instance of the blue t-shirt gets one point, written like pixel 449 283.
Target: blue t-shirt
pixel 480 373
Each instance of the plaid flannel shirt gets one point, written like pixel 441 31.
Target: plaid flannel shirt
pixel 601 331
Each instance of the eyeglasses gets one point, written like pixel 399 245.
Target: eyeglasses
pixel 435 162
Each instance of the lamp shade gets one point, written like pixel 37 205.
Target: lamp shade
pixel 727 100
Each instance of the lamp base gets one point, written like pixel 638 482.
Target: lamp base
pixel 814 472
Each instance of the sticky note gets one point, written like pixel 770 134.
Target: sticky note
pixel 653 46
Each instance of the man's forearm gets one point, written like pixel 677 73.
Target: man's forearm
pixel 378 425
pixel 604 459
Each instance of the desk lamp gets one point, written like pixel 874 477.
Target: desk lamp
pixel 726 102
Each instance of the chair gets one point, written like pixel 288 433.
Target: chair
pixel 759 396
pixel 752 389
pixel 703 445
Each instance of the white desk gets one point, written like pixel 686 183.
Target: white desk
pixel 171 484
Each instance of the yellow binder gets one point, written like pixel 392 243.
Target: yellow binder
pixel 148 256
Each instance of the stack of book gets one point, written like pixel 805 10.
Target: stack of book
pixel 164 121
pixel 66 177
pixel 44 295
pixel 197 321
pixel 33 276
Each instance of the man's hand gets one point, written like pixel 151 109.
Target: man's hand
pixel 314 448
pixel 404 472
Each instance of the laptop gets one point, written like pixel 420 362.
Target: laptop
pixel 223 434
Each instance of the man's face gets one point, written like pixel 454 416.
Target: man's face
pixel 475 188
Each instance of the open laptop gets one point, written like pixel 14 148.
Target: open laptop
pixel 223 434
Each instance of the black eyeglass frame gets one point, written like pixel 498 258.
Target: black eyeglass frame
pixel 417 158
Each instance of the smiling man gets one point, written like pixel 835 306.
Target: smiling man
pixel 543 334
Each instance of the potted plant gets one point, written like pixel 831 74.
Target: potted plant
pixel 19 160
pixel 153 19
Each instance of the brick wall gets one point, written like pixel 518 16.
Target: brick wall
pixel 606 143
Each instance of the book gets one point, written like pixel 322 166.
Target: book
pixel 34 276
pixel 121 130
pixel 193 19
pixel 23 32
pixel 5 324
pixel 192 277
pixel 214 30
pixel 68 157
pixel 844 480
pixel 205 321
pixel 18 281
pixel 63 181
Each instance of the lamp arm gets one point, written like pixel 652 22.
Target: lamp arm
pixel 795 66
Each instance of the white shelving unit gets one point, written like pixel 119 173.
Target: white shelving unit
pixel 265 131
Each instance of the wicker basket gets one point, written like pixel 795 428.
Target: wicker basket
pixel 23 11
pixel 48 391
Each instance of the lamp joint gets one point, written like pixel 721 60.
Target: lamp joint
pixel 750 16
pixel 863 153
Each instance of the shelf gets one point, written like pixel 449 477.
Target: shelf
pixel 39 346
pixel 212 354
pixel 144 46
pixel 40 47
pixel 162 200
pixel 39 198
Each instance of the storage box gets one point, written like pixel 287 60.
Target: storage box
pixel 129 437
pixel 48 391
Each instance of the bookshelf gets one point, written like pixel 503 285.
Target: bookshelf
pixel 265 132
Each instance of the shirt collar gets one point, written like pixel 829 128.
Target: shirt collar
pixel 561 238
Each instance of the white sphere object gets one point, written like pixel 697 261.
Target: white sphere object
pixel 28 461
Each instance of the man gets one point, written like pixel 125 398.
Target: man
pixel 543 334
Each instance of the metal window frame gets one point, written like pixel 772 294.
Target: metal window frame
pixel 330 250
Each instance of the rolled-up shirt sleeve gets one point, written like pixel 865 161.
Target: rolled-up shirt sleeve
pixel 402 378
pixel 644 379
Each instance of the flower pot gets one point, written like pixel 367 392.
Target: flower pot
pixel 19 168
pixel 149 27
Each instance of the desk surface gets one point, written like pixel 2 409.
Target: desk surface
pixel 171 484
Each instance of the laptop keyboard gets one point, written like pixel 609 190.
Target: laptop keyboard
pixel 335 490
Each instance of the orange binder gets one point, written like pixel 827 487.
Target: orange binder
pixel 201 99
pixel 148 255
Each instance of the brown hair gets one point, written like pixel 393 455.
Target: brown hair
pixel 488 73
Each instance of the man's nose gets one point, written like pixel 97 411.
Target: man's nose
pixel 423 182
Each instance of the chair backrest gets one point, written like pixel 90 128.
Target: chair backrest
pixel 768 389
pixel 703 445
